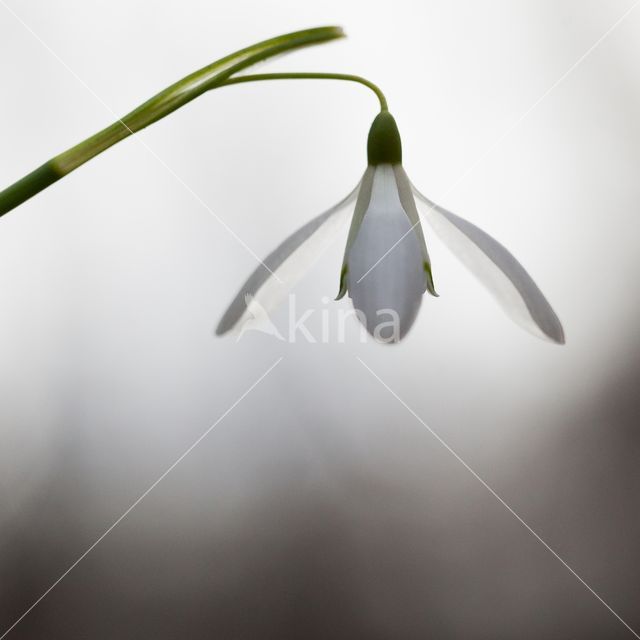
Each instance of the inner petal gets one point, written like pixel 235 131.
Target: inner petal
pixel 385 276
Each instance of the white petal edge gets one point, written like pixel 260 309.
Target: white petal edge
pixel 497 269
pixel 286 265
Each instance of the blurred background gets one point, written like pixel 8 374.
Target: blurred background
pixel 319 507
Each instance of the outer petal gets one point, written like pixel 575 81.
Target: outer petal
pixel 409 205
pixel 285 266
pixel 498 271
pixel 390 294
pixel 362 204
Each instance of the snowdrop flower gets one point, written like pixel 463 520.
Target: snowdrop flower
pixel 386 268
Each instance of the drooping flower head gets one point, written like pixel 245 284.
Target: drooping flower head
pixel 386 267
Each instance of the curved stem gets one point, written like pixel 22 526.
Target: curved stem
pixel 310 76
pixel 161 105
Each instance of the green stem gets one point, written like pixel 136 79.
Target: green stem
pixel 311 76
pixel 162 104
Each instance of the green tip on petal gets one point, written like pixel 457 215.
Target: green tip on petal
pixel 343 283
pixel 384 145
pixel 430 286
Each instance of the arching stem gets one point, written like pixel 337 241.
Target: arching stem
pixel 310 76
pixel 161 105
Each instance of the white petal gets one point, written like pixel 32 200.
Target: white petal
pixel 362 204
pixel 396 283
pixel 286 265
pixel 364 197
pixel 409 205
pixel 497 270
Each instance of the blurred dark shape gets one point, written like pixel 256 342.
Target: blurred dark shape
pixel 365 548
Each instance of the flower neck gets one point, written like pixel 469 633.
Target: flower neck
pixel 384 145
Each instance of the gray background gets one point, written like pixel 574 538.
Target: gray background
pixel 320 506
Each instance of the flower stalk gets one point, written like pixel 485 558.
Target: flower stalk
pixel 303 75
